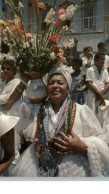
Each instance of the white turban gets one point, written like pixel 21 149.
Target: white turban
pixel 62 70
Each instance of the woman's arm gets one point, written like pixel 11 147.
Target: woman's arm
pixel 7 142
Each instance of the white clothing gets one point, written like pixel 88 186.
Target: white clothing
pixel 103 117
pixel 0 74
pixel 96 163
pixel 106 64
pixel 6 123
pixel 5 91
pixel 25 110
pixel 84 63
pixel 98 80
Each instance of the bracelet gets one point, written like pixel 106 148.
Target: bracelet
pixel 19 90
pixel 23 82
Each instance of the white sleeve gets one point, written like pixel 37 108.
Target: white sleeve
pixel 8 91
pixel 97 148
pixel 84 61
pixel 106 77
pixel 4 98
pixel 88 75
pixel 90 124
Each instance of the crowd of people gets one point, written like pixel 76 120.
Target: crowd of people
pixel 66 135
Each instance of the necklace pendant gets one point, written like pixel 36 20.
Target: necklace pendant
pixel 46 158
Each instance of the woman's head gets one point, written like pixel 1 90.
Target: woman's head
pixel 59 82
pixel 9 69
pixel 88 51
pixel 77 63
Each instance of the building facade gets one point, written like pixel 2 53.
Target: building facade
pixel 91 23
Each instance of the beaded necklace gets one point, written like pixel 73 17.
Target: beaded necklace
pixel 44 149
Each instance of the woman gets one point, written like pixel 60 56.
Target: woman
pixel 10 83
pixel 7 124
pixel 78 82
pixel 65 140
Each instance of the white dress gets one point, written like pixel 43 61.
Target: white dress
pixel 26 111
pixel 87 127
pixel 99 81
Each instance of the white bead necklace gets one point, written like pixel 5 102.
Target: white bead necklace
pixel 59 122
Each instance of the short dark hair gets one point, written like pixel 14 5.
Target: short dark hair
pixel 77 61
pixel 98 55
pixel 10 62
pixel 86 48
pixel 101 44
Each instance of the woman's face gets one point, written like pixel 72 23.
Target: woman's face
pixel 8 72
pixel 57 88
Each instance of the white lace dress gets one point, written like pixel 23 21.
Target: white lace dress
pixel 86 126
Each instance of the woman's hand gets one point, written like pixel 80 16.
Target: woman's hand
pixel 70 145
pixel 101 98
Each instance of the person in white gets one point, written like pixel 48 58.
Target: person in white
pixel 10 83
pixel 7 124
pixel 102 49
pixel 87 59
pixel 98 82
pixel 68 139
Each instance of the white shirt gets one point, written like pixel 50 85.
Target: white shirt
pixel 98 80
pixel 0 74
pixel 106 64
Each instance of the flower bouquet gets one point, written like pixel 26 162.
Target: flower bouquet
pixel 39 51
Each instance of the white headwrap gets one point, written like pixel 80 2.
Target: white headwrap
pixel 62 70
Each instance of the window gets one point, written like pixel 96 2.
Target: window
pixel 88 16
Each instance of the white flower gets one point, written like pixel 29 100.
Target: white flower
pixel 65 28
pixel 69 43
pixel 53 56
pixel 63 17
pixel 20 4
pixel 6 1
pixel 71 8
pixel 69 13
pixel 26 45
pixel 49 17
